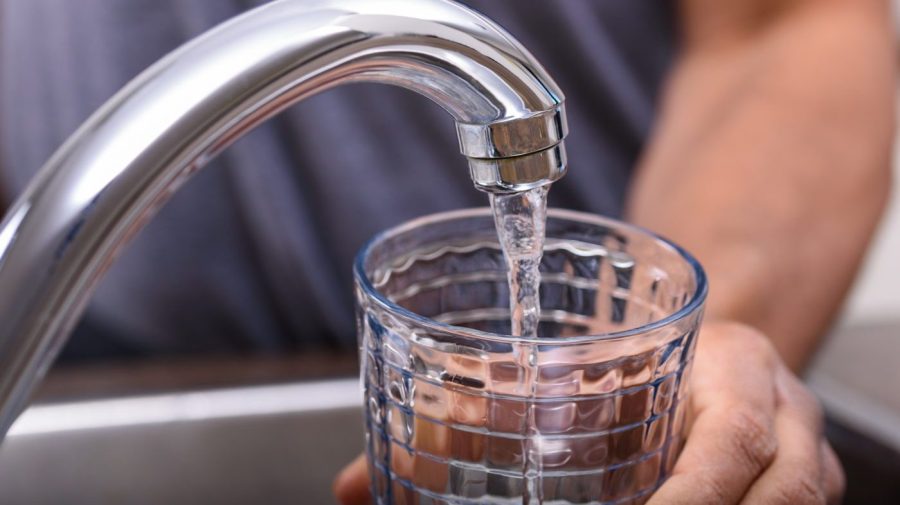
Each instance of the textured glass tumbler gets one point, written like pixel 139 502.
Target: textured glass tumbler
pixel 457 411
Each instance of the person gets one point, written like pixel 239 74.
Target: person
pixel 756 133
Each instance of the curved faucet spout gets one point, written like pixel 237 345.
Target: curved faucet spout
pixel 108 179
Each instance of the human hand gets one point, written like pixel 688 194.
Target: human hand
pixel 755 437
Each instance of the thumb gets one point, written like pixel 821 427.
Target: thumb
pixel 351 486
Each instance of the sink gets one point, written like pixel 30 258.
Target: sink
pixel 266 444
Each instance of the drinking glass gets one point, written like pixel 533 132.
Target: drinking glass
pixel 458 411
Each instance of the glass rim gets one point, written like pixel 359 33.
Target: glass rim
pixel 695 303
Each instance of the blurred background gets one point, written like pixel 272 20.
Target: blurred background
pixel 239 430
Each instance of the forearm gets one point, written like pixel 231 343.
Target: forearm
pixel 770 161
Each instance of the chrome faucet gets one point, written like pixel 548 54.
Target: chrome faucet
pixel 111 176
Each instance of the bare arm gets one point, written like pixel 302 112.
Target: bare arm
pixel 770 161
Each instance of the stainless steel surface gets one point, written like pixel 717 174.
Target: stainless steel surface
pixel 855 375
pixel 109 178
pixel 276 444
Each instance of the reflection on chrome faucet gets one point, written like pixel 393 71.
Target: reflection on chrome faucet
pixel 117 169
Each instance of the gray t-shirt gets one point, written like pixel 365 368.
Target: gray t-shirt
pixel 255 253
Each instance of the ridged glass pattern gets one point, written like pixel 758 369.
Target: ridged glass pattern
pixel 450 415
